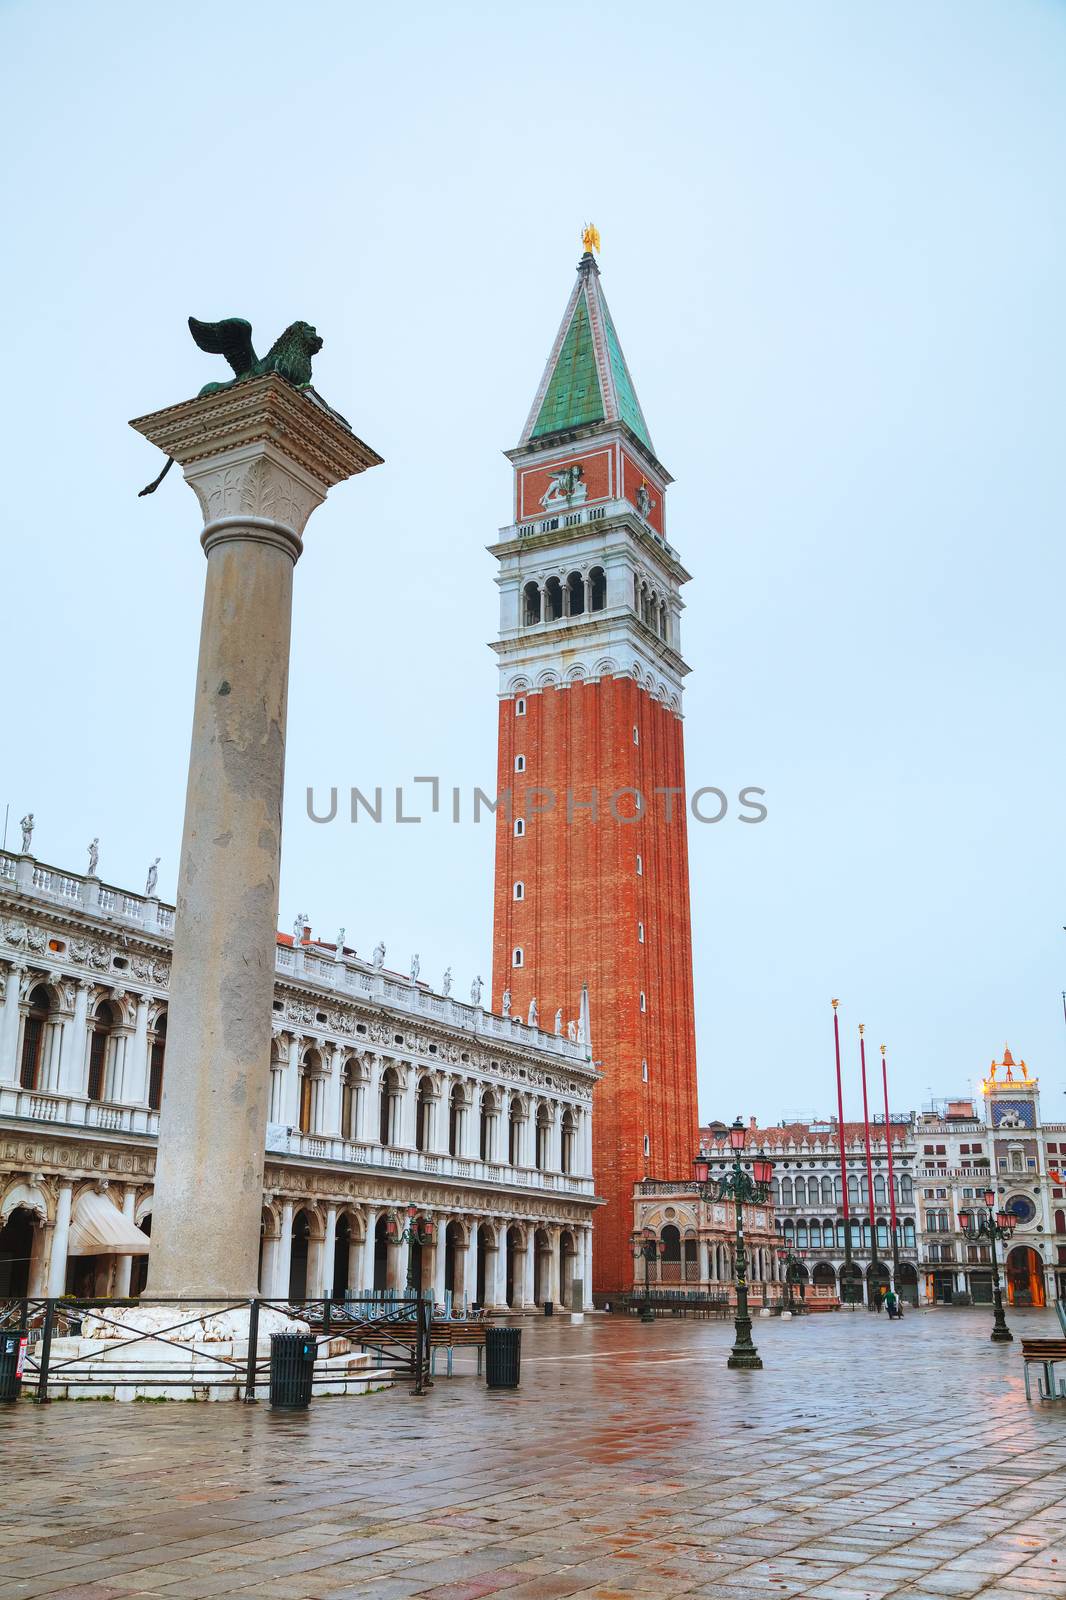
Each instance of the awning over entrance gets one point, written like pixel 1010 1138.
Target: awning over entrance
pixel 98 1228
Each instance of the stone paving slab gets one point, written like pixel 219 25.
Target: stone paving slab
pixel 869 1459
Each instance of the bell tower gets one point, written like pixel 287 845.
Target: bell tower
pixel 592 854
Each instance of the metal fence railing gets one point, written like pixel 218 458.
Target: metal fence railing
pixel 397 1331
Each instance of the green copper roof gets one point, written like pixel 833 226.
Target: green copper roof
pixel 573 396
pixel 628 404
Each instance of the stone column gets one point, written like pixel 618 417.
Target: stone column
pixel 440 1248
pixel 260 457
pixel 329 1255
pixel 588 1266
pixel 470 1263
pixel 331 1116
pixel 57 1264
pixel 290 1110
pixel 136 1087
pixel 498 1266
pixel 555 1242
pixel 405 1133
pixel 364 1279
pixel 9 1023
pixel 528 1259
pixel 124 1264
pixel 279 1290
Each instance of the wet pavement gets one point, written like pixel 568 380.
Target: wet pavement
pixel 868 1459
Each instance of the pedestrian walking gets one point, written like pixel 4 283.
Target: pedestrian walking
pixel 892 1302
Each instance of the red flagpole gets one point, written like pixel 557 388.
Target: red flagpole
pixel 869 1162
pixel 891 1175
pixel 840 1138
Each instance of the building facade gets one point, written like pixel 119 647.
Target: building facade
pixel 591 853
pixel 697 1243
pixel 998 1140
pixel 384 1095
pixel 808 1203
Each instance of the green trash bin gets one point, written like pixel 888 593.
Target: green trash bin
pixel 12 1359
pixel 292 1368
pixel 503 1357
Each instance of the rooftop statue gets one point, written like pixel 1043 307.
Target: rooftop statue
pixel 289 356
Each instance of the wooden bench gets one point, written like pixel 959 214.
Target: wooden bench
pixel 1044 1353
pixel 450 1335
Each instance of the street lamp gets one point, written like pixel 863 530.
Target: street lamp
pixel 742 1190
pixel 991 1225
pixel 788 1260
pixel 645 1243
pixel 418 1230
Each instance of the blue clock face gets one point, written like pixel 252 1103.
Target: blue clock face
pixel 1022 1208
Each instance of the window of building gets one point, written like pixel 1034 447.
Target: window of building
pixel 636 734
pixel 520 890
pixel 640 933
pixel 644 1079
pixel 647 1145
pixel 517 957
pixel 519 827
pixel 520 763
pixel 640 874
pixel 99 1040
pixel 33 1035
pixel 976 1149
pixel 520 708
pixel 157 1051
pixel 643 1001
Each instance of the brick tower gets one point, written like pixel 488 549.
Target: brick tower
pixel 592 884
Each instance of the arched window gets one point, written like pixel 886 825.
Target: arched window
pixel 456 1120
pixel 553 600
pixel 544 1133
pixel 640 933
pixel 786 1192
pixel 643 1072
pixel 597 589
pixel 310 1069
pixel 853 1190
pixel 516 1117
pixel 906 1189
pixel 801 1235
pixel 519 827
pixel 671 1239
pixel 827 1191
pixel 157 1049
pixel 1060 1221
pixel 530 608
pixel 520 708
pixel 519 890
pixel 488 1126
pixel 517 956
pixel 643 1001
pixel 33 1035
pixel 647 1145
pixel 816 1235
pixel 775 1192
pixel 388 1110
pixel 801 1191
pixel 575 594
pixel 880 1197
pixel 424 1115
pixel 838 1191
pixel 636 734
pixel 520 763
pixel 568 1141
pixel 640 866
pixel 99 1044
pixel 908 1233
pixel 352 1091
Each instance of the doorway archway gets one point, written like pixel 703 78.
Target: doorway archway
pixel 1025 1277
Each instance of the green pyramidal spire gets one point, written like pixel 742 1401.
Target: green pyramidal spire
pixel 586 379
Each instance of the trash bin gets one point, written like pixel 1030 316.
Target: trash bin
pixel 549 1308
pixel 12 1359
pixel 503 1357
pixel 292 1366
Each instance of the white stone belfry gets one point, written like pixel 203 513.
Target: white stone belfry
pixel 260 456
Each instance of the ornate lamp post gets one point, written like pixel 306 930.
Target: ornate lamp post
pixel 418 1230
pixel 645 1243
pixel 742 1190
pixel 788 1260
pixel 991 1225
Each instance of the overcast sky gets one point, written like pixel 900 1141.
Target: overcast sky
pixel 833 246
